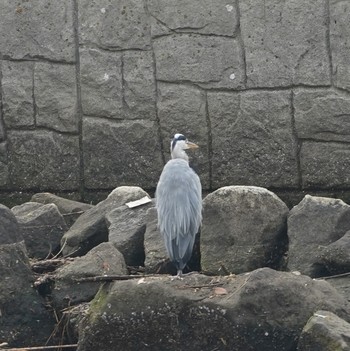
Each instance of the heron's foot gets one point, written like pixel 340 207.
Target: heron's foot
pixel 179 275
pixel 190 273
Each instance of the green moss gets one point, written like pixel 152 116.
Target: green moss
pixel 98 303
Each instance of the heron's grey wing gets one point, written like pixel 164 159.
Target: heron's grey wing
pixel 179 206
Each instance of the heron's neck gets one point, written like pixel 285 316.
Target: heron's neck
pixel 179 153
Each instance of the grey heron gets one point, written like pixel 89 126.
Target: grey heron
pixel 179 203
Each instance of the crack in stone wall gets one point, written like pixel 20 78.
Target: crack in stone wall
pixel 92 92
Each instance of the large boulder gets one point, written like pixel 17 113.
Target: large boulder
pixel 314 224
pixel 42 226
pixel 69 209
pixel 261 310
pixel 126 230
pixel 244 228
pixel 24 320
pixel 325 332
pixel 90 229
pixel 101 260
pixel 336 256
pixel 10 231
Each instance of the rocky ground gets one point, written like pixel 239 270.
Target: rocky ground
pixel 98 276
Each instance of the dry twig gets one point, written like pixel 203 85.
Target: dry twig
pixel 39 348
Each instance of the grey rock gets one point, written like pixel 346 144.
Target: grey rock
pixel 243 228
pixel 158 29
pixel 24 319
pixel 121 153
pixel 336 256
pixel 285 43
pixel 69 209
pixel 38 30
pixel 17 93
pixel 182 109
pixel 248 312
pixel 55 94
pixel 340 42
pixel 205 17
pixel 324 165
pixel 90 229
pixel 139 85
pixel 101 83
pixel 325 331
pixel 123 24
pixel 156 257
pixel 252 139
pixel 126 230
pixel 10 231
pixel 102 260
pixel 43 159
pixel 313 224
pixel 4 171
pixel 341 284
pixel 42 227
pixel 322 115
pixel 210 61
pixel 2 129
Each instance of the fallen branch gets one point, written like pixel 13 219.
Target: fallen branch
pixel 43 348
pixel 109 278
pixel 49 265
pixel 333 276
pixel 211 285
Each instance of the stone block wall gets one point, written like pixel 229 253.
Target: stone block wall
pixel 93 90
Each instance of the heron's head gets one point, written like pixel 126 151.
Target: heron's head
pixel 178 146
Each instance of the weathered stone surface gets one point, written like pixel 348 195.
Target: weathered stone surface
pixel 342 285
pixel 325 331
pixel 90 229
pixel 17 93
pixel 126 230
pixel 4 170
pixel 182 109
pixel 322 115
pixel 156 257
pixel 55 95
pixel 123 24
pixel 101 260
pixel 121 153
pixel 210 61
pixel 139 85
pixel 38 29
pixel 340 42
pixel 243 228
pixel 2 129
pixel 252 139
pixel 101 83
pixel 312 225
pixel 24 319
pixel 336 256
pixel 261 310
pixel 198 16
pixel 10 231
pixel 42 227
pixel 69 209
pixel 43 159
pixel 324 165
pixel 285 42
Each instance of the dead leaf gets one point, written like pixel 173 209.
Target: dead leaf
pixel 220 291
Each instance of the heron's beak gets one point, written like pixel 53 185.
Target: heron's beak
pixel 191 145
